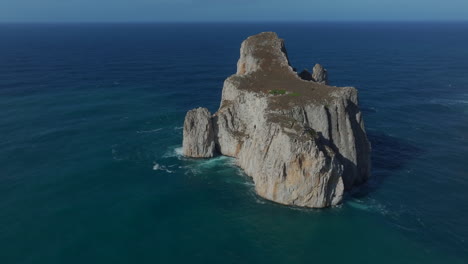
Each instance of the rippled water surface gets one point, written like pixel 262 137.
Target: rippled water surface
pixel 91 128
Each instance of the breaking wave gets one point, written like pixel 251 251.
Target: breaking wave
pixel 159 167
pixel 175 151
pixel 149 131
pixel 369 205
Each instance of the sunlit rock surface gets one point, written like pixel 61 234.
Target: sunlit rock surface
pixel 301 141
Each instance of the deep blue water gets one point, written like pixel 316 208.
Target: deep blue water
pixel 90 129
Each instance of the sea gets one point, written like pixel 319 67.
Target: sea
pixel 91 169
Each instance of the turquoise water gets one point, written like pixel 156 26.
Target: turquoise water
pixel 91 128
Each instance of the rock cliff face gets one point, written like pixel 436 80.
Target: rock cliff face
pixel 198 134
pixel 301 141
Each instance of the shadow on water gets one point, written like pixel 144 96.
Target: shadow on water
pixel 389 154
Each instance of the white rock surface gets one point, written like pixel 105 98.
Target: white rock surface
pixel 319 74
pixel 303 143
pixel 198 134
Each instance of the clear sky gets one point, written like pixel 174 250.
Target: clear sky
pixel 230 10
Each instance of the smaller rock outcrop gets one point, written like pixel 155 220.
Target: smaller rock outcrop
pixel 320 75
pixel 198 134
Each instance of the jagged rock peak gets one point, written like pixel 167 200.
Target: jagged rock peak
pixel 264 51
pixel 319 74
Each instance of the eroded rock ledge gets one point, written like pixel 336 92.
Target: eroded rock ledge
pixel 303 142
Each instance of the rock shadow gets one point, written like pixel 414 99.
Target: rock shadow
pixel 389 154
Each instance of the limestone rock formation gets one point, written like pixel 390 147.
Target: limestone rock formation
pixel 303 143
pixel 198 134
pixel 319 74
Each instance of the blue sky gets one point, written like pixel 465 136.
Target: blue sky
pixel 230 10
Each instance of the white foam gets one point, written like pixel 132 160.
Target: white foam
pixel 157 167
pixel 448 101
pixel 213 162
pixel 359 205
pixel 149 131
pixel 115 154
pixel 174 152
pixel 369 205
pixel 178 151
pixel 200 166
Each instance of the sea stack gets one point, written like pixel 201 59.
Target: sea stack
pixel 319 74
pixel 303 142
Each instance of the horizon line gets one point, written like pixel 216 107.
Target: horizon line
pixel 234 21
